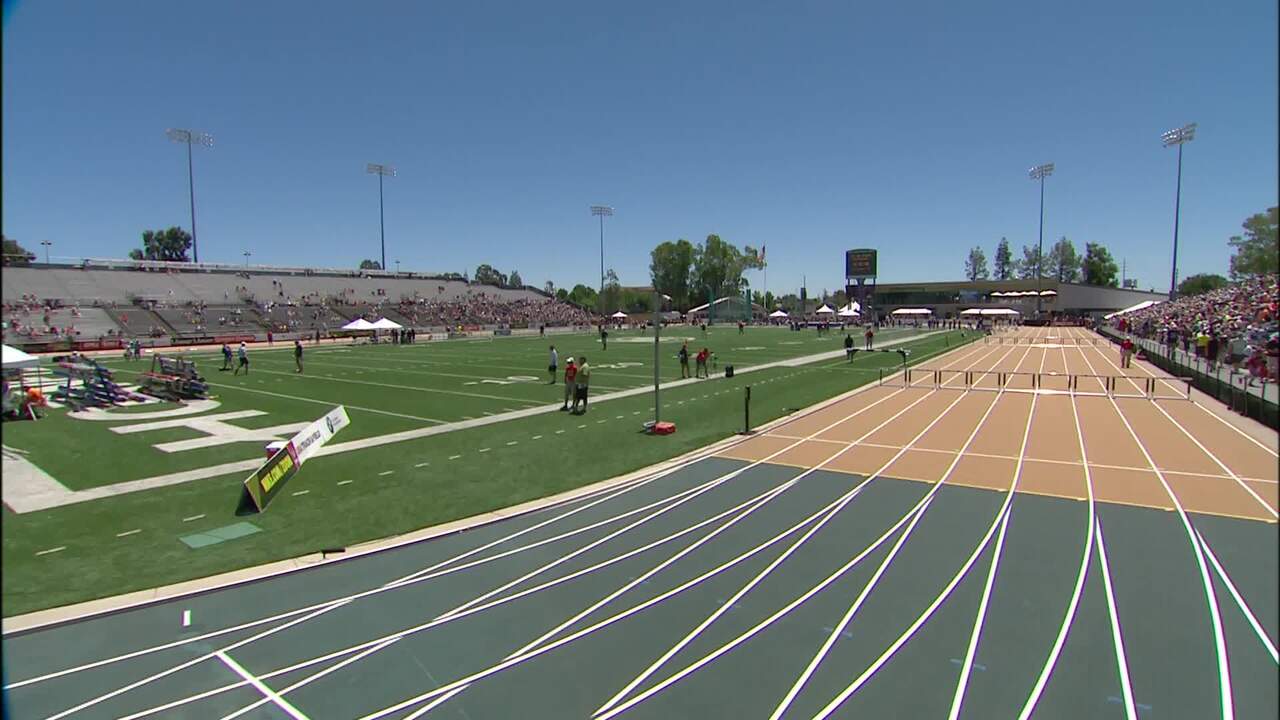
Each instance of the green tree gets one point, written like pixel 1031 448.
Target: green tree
pixel 671 269
pixel 610 301
pixel 1257 251
pixel 582 295
pixel 515 281
pixel 486 275
pixel 1030 263
pixel 789 302
pixel 370 265
pixel 718 268
pixel 1202 283
pixel 15 254
pixel 164 245
pixel 1064 261
pixel 1098 267
pixel 562 294
pixel 1005 267
pixel 975 266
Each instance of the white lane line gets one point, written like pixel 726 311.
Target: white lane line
pixel 301 492
pixel 484 450
pixel 1211 596
pixel 1030 705
pixel 126 533
pixel 1240 603
pixel 1117 638
pixel 537 437
pixel 60 548
pixel 186 618
pixel 385 472
pixel 345 482
pixel 559 432
pixel 972 650
pixel 193 517
pixel 422 464
pixel 333 668
pixel 513 442
pixel 454 457
pixel 270 694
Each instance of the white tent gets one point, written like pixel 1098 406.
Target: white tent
pixel 358 324
pixel 825 310
pixel 14 358
pixel 990 312
pixel 848 311
pixel 385 324
pixel 619 315
pixel 912 311
pixel 1049 292
pixel 778 314
pixel 1140 306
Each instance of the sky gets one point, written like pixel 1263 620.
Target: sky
pixel 806 127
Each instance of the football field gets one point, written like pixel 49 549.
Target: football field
pixel 147 495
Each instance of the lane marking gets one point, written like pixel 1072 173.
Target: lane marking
pixel 454 457
pixel 385 472
pixel 126 533
pixel 60 548
pixel 422 464
pixel 513 442
pixel 186 618
pixel 270 694
pixel 484 450
pixel 537 437
pixel 1240 603
pixel 301 492
pixel 345 482
pixel 1117 638
pixel 193 517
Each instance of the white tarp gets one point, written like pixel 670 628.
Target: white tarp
pixel 385 324
pixel 15 358
pixel 1140 306
pixel 358 324
pixel 778 314
pixel 912 311
pixel 619 315
pixel 825 310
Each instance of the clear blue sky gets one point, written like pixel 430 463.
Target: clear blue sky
pixel 809 127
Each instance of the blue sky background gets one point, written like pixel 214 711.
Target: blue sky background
pixel 810 127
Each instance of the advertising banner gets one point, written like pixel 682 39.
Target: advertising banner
pixel 267 481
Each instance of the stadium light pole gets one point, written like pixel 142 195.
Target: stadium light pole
pixel 1179 137
pixel 381 171
pixel 602 211
pixel 1040 172
pixel 191 137
pixel 397 267
pixel 246 254
pixel 47 244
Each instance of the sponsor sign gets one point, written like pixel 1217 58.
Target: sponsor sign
pixel 268 480
pixel 312 437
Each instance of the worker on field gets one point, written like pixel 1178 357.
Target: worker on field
pixel 684 360
pixel 551 368
pixel 584 382
pixel 870 337
pixel 297 355
pixel 244 360
pixel 226 357
pixel 570 383
pixel 848 346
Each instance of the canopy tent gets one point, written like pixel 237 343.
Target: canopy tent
pixel 358 324
pixel 848 311
pixel 779 314
pixel 385 324
pixel 1140 306
pixel 825 310
pixel 912 311
pixel 853 305
pixel 13 358
pixel 989 312
pixel 619 315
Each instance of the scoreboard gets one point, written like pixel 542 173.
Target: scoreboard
pixel 860 263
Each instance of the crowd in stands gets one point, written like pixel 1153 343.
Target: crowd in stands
pixel 1236 325
pixel 483 309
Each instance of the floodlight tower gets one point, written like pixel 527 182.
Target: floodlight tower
pixel 602 211
pixel 381 171
pixel 1179 137
pixel 246 254
pixel 191 137
pixel 47 244
pixel 1040 172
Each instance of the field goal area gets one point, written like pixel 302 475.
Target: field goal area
pixel 1049 383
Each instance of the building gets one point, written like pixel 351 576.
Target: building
pixel 948 299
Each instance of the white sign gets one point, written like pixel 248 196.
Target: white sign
pixel 315 435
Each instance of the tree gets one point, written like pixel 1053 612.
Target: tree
pixel 15 254
pixel 610 301
pixel 1005 267
pixel 670 270
pixel 582 295
pixel 562 294
pixel 515 281
pixel 370 265
pixel 975 266
pixel 718 268
pixel 164 245
pixel 486 275
pixel 1257 251
pixel 1098 267
pixel 1202 283
pixel 1030 263
pixel 789 302
pixel 1064 261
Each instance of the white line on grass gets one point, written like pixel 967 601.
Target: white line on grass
pixel 484 450
pixel 513 442
pixel 60 548
pixel 385 472
pixel 537 437
pixel 345 482
pixel 193 517
pixel 454 457
pixel 301 492
pixel 135 531
pixel 422 464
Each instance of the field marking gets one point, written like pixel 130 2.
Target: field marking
pixel 193 517
pixel 186 618
pixel 60 548
pixel 300 492
pixel 127 533
pixel 484 450
pixel 385 472
pixel 454 457
pixel 513 442
pixel 537 437
pixel 422 464
pixel 559 432
pixel 1240 603
pixel 1117 639
pixel 345 482
pixel 261 687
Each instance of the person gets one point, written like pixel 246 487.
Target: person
pixel 1126 352
pixel 244 360
pixel 297 354
pixel 870 337
pixel 848 346
pixel 269 337
pixel 570 383
pixel 684 360
pixel 542 330
pixel 551 368
pixel 226 357
pixel 604 338
pixel 584 381
pixel 742 327
pixel 700 363
pixel 1212 348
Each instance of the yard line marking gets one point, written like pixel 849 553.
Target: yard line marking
pixel 422 464
pixel 619 417
pixel 581 426
pixel 60 548
pixel 484 450
pixel 537 437
pixel 1235 595
pixel 186 618
pixel 1117 639
pixel 135 531
pixel 513 442
pixel 637 412
pixel 301 492
pixel 559 432
pixel 271 695
pixel 454 457
pixel 600 422
pixel 345 482
pixel 193 517
pixel 385 472
pixel 1211 596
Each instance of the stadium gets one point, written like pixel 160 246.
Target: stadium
pixel 312 486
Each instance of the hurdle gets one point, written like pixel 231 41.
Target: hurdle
pixel 1043 383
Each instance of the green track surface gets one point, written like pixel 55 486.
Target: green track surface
pixel 399 487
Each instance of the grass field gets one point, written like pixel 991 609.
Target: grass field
pixel 395 487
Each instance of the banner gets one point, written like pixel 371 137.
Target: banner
pixel 267 482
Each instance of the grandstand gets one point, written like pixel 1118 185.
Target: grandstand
pixel 106 301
